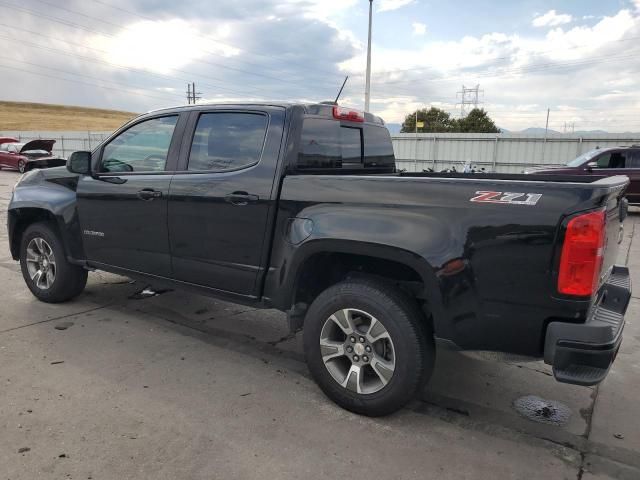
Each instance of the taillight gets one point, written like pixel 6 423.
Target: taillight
pixel 342 113
pixel 582 254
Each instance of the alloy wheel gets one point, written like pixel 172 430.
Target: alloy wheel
pixel 41 263
pixel 357 350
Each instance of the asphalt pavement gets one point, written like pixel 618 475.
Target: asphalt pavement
pixel 118 385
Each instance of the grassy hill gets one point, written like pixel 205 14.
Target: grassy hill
pixel 42 116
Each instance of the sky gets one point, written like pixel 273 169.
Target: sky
pixel 578 58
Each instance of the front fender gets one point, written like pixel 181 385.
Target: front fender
pixel 38 197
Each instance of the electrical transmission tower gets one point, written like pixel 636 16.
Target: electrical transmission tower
pixel 469 96
pixel 192 95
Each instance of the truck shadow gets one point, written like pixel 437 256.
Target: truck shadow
pixel 473 393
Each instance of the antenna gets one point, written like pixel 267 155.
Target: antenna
pixel 341 88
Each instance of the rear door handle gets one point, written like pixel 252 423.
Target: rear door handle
pixel 149 194
pixel 241 198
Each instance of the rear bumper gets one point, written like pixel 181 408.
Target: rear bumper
pixel 582 353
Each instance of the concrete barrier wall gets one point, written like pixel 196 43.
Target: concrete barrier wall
pixel 506 153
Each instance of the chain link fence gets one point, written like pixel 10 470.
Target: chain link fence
pixel 66 142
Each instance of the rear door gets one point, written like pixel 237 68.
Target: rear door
pixel 222 199
pixel 123 207
pixel 623 162
pixel 633 172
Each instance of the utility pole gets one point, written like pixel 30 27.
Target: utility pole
pixel 546 131
pixel 546 128
pixel 367 88
pixel 189 93
pixel 195 96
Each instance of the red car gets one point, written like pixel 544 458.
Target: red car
pixel 25 156
pixel 608 162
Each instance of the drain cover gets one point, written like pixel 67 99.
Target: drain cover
pixel 540 410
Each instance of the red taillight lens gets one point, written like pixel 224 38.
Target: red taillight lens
pixel 582 254
pixel 342 113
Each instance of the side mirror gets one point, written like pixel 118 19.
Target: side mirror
pixel 79 162
pixel 592 165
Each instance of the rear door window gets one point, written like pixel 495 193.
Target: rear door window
pixel 633 160
pixel 227 141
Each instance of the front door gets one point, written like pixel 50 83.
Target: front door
pixel 123 206
pixel 220 203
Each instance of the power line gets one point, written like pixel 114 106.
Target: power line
pixel 115 65
pixel 526 69
pixel 265 55
pixel 75 74
pixel 508 57
pixel 136 92
pixel 109 34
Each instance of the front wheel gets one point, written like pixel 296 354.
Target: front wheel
pixel 46 271
pixel 22 166
pixel 368 346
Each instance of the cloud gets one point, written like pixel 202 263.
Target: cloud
pixel 160 46
pixel 300 50
pixel 389 5
pixel 552 19
pixel 419 28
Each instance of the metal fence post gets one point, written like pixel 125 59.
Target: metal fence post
pixel 579 152
pixel 435 152
pixel 62 143
pixel 495 154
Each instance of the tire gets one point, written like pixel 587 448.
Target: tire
pixel 41 250
pixel 408 352
pixel 22 166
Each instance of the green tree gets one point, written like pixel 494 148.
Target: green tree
pixel 435 121
pixel 477 121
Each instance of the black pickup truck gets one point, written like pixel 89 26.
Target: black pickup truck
pixel 300 208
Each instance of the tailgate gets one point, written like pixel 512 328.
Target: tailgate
pixel 616 212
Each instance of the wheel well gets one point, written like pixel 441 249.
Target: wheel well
pixel 322 270
pixel 22 218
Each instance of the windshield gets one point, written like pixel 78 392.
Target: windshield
pixel 585 157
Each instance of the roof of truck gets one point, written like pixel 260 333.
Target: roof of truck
pixel 309 107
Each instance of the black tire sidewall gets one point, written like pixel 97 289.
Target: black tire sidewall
pixel 22 166
pixel 69 278
pixel 399 318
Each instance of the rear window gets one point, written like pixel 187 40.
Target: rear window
pixel 327 145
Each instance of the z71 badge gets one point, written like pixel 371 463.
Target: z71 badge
pixel 509 198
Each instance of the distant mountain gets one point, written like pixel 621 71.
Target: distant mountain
pixel 538 131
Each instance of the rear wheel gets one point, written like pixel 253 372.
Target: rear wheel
pixel 22 166
pixel 46 271
pixel 368 346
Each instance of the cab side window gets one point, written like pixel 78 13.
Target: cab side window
pixel 142 148
pixel 227 141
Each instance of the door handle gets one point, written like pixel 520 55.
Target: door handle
pixel 241 198
pixel 149 194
